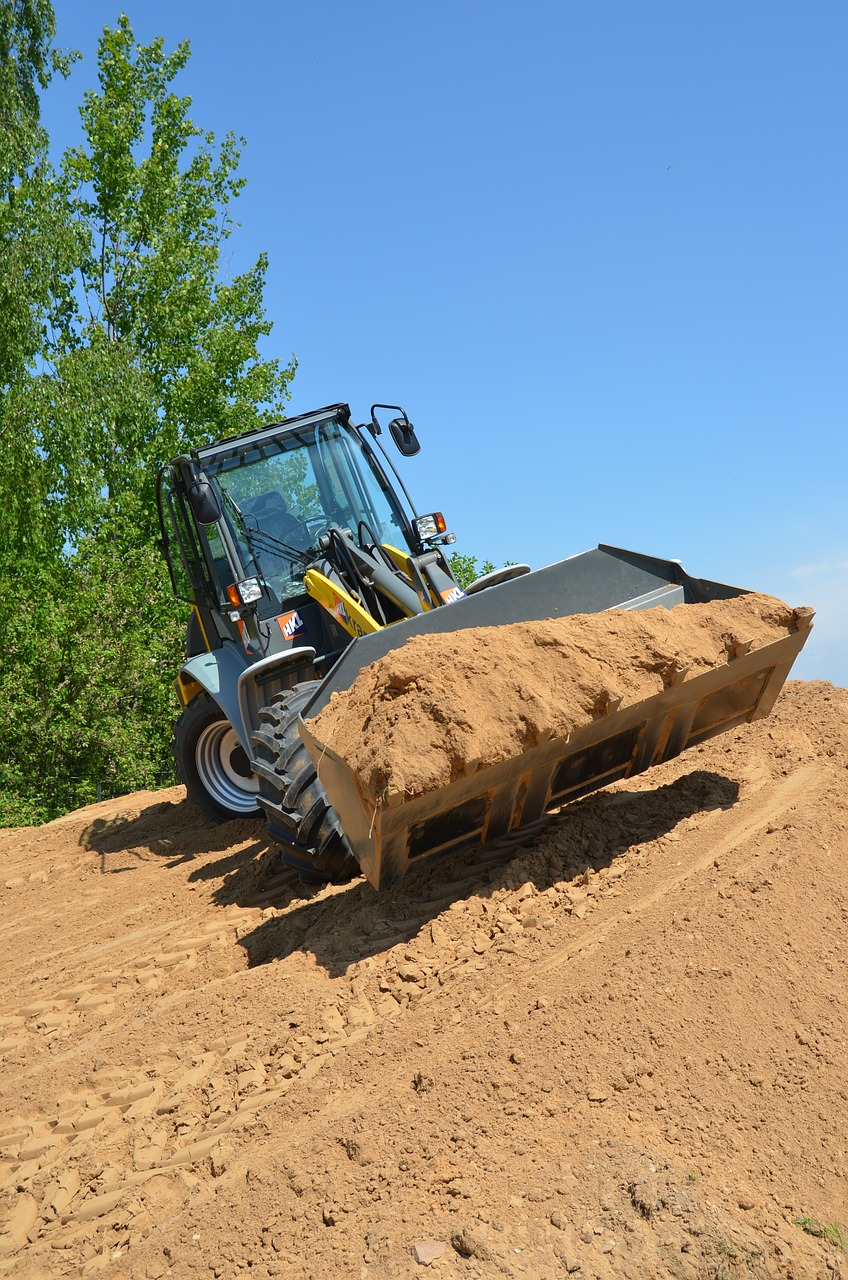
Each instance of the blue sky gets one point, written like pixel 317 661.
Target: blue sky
pixel 597 250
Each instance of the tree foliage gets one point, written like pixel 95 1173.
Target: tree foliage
pixel 85 687
pixel 121 345
pixel 33 240
pixel 155 352
pixel 27 63
pixel 465 570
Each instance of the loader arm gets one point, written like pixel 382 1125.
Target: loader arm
pixel 367 586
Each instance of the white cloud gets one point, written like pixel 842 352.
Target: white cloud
pixel 825 655
pixel 824 586
pixel 819 570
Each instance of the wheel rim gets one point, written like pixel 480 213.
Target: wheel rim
pixel 224 769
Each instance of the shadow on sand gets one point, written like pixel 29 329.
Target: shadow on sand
pixel 176 831
pixel 343 925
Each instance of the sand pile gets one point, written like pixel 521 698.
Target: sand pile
pixel 617 1052
pixel 444 705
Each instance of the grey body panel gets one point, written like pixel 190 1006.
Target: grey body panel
pixel 267 678
pixel 242 687
pixel 218 672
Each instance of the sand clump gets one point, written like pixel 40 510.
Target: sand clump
pixel 443 705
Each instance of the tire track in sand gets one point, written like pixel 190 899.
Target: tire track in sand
pixel 767 804
pixel 153 1127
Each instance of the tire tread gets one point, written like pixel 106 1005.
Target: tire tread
pixel 297 810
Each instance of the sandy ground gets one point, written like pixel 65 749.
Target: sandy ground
pixel 619 1050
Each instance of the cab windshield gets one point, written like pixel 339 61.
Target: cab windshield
pixel 282 492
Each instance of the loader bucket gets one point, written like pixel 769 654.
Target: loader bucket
pixel 411 831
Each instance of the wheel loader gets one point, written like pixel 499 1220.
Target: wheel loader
pixel 303 560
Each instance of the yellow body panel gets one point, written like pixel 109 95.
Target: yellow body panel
pixel 186 688
pixel 340 604
pixel 196 612
pixel 400 558
pixel 403 562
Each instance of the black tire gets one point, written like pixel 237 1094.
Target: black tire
pixel 300 818
pixel 212 763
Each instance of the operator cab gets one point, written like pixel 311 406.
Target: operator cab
pixel 244 520
pixel 286 486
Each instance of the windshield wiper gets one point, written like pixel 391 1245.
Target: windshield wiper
pixel 259 539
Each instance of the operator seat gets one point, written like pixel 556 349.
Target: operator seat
pixel 271 512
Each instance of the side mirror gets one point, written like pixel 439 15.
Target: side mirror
pixel 402 430
pixel 202 498
pixel 403 434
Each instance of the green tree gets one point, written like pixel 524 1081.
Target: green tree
pixel 137 348
pixel 36 248
pixel 158 352
pixel 465 570
pixel 27 63
pixel 85 682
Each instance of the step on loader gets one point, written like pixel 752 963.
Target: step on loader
pixel 303 560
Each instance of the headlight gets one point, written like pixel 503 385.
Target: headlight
pixel 430 526
pixel 244 592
